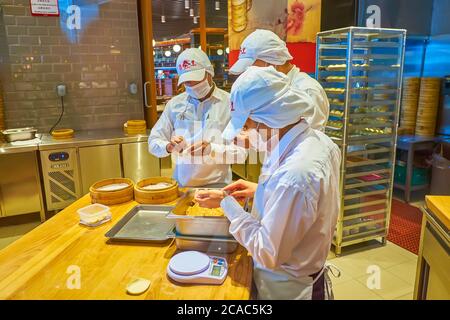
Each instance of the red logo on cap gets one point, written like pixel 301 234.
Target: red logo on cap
pixel 243 51
pixel 186 64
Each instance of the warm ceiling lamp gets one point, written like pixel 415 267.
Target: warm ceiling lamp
pixel 217 5
pixel 227 50
pixel 191 12
pixel 153 42
pixel 195 20
pixel 219 52
pixel 167 53
pixel 176 48
pixel 186 4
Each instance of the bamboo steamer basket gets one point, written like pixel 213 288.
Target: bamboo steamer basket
pixel 136 124
pixel 156 196
pixel 428 106
pixel 134 129
pixel 62 133
pixel 112 197
pixel 409 105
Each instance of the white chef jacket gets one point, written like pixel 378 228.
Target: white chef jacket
pixel 302 81
pixel 297 204
pixel 213 114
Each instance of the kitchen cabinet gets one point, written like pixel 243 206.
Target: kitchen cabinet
pixel 433 266
pixel 98 163
pixel 20 189
pixel 138 163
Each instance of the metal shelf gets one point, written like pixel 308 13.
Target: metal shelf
pixel 370 57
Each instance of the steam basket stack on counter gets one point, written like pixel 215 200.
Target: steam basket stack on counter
pixel 428 106
pixel 132 127
pixel 61 134
pixel 420 102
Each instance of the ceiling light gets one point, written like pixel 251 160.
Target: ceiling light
pixel 176 48
pixel 167 53
pixel 195 20
pixel 163 19
pixel 191 12
pixel 186 4
pixel 219 52
pixel 153 42
pixel 227 50
pixel 217 6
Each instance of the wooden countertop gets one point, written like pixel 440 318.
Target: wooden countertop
pixel 41 264
pixel 440 206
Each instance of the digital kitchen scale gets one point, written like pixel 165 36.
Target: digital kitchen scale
pixel 196 267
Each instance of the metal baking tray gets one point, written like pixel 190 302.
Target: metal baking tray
pixel 19 134
pixel 197 226
pixel 206 244
pixel 144 223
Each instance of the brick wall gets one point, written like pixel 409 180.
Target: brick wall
pixel 36 54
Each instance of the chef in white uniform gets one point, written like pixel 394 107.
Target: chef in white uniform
pixel 264 48
pixel 296 201
pixel 191 125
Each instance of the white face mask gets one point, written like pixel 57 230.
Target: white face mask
pixel 200 90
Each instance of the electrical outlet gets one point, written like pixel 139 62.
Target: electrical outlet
pixel 61 90
pixel 133 88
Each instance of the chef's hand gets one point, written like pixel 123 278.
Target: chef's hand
pixel 209 198
pixel 200 148
pixel 241 189
pixel 176 144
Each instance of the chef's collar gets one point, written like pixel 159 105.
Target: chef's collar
pixel 275 156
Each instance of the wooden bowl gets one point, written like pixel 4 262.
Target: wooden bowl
pixel 158 196
pixel 112 197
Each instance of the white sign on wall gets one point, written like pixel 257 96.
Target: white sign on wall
pixel 374 19
pixel 44 7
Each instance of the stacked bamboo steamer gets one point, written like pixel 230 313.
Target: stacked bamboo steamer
pixel 135 127
pixel 428 106
pixel 111 197
pixel 410 100
pixel 164 194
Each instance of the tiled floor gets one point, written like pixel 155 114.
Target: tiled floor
pixel 381 273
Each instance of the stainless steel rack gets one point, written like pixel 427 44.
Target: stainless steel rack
pixel 361 70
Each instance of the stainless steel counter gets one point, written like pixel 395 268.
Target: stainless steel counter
pixel 8 148
pixel 91 138
pixel 81 139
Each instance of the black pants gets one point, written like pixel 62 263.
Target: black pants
pixel 319 286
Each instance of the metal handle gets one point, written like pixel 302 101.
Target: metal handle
pixel 145 94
